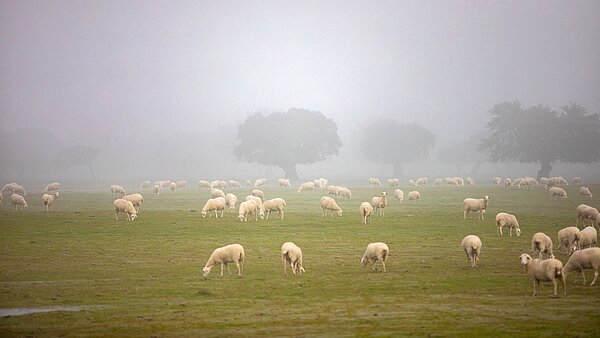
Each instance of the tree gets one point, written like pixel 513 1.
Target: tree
pixel 387 141
pixel 461 153
pixel 77 155
pixel 297 136
pixel 541 135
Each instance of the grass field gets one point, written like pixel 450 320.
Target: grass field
pixel 143 278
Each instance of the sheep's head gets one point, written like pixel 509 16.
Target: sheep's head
pixel 525 259
pixel 56 194
pixel 241 218
pixel 364 261
pixel 203 213
pixel 133 217
pixel 518 232
pixel 486 199
pixel 261 214
pixel 205 271
pixel 339 212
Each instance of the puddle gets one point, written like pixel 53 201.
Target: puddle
pixel 31 310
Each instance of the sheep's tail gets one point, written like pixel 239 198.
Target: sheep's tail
pixel 558 271
pixel 385 254
pixel 242 257
pixel 284 203
pixel 536 245
pixel 498 223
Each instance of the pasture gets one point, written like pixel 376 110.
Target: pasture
pixel 143 278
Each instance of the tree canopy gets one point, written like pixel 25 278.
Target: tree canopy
pixel 77 155
pixel 285 139
pixel 461 153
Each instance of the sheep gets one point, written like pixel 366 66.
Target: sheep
pixel 18 202
pixel 292 254
pixel 399 195
pixel 232 253
pixel 452 182
pixel 52 187
pixel 49 199
pixel 374 182
pixel 459 180
pixel 548 270
pixel 126 207
pixel 475 205
pixel 438 182
pixel 145 185
pixel 318 184
pixel 375 252
pixel 588 237
pixel 136 200
pixel 117 190
pixel 214 193
pixel 246 208
pixel 471 244
pixel 568 239
pixel 584 192
pixel 332 190
pixel 507 183
pixel 204 184
pixel 156 190
pixel 380 202
pixel 248 183
pixel 214 204
pixel 344 192
pixel 230 201
pixel 414 196
pixel 542 243
pixel 9 187
pixel 543 181
pixel 270 205
pixel 329 204
pixel 576 180
pixel 393 182
pixel 260 182
pixel 173 187
pixel 584 259
pixel 258 193
pixel 527 182
pixel 234 184
pixel 256 200
pixel 366 210
pixel 421 181
pixel 306 186
pixel 507 220
pixel 284 183
pixel 470 181
pixel 324 182
pixel 411 183
pixel 218 184
pixel 165 184
pixel 1 199
pixel 18 189
pixel 584 211
pixel 181 184
pixel 496 180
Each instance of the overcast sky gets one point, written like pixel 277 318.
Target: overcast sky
pixel 91 68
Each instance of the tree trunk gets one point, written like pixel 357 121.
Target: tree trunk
pixel 545 169
pixel 397 170
pixel 290 171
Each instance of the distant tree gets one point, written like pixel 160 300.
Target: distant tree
pixel 387 141
pixel 464 153
pixel 77 155
pixel 541 135
pixel 297 136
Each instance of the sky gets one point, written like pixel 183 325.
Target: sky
pixel 95 71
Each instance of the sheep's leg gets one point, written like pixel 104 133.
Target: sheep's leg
pixel 284 265
pixel 595 277
pixel 239 270
pixel 583 275
pixel 500 231
pixel 222 269
pixel 323 212
pixel 554 285
pixel 116 215
pixel 280 213
pixel 227 266
pixel 465 214
pixel 383 263
pixel 536 284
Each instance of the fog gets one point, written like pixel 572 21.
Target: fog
pixel 160 87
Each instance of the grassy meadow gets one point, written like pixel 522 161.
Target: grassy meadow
pixel 143 278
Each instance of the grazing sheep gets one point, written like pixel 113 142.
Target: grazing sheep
pixel 374 182
pixel 496 180
pixel 584 259
pixel 9 188
pixel 459 180
pixel 256 200
pixel 584 212
pixel 411 183
pixel 324 182
pixel 393 182
pixel 18 189
pixel 366 210
pixel 284 183
pixel 472 246
pixel 117 190
pixel 584 192
pixel 588 237
pixel 306 186
pixel 507 183
pixel 234 184
pixel 438 182
pixel 232 253
pixel 156 190
pixel 375 252
pixel 576 180
pixel 328 204
pixel 507 220
pixel 542 243
pixel 271 205
pixel 49 199
pixel 204 184
pixel 292 254
pixel 230 200
pixel 214 193
pixel 18 202
pixel 145 185
pixel 126 207
pixel 136 200
pixel 318 184
pixel 470 181
pixel 214 204
pixel 568 239
pixel 181 184
pixel 344 192
pixel 246 208
pixel 248 183
pixel 258 193
pixel 475 205
pixel 548 270
pixel 173 187
pixel 332 190
pixel 414 196
pixel 219 184
pixel 260 182
pixel 52 187
pixel 399 195
pixel 165 184
pixel 421 181
pixel 452 182
pixel 543 181
pixel 380 202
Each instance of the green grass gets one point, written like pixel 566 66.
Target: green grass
pixel 143 278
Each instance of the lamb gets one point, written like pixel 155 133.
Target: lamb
pixel 399 195
pixel 52 187
pixel 204 184
pixel 145 185
pixel 258 193
pixel 507 220
pixel 136 200
pixel 472 247
pixel 380 202
pixel 475 205
pixel 576 180
pixel 232 253
pixel 214 204
pixel 584 259
pixel 246 208
pixel 306 186
pixel 375 252
pixel 18 202
pixel 214 193
pixel 230 200
pixel 542 243
pixel 181 184
pixel 234 184
pixel 256 200
pixel 292 254
pixel 344 192
pixel 584 192
pixel 393 182
pixel 329 204
pixel 548 270
pixel 421 181
pixel 568 239
pixel 284 183
pixel 374 182
pixel 49 199
pixel 470 181
pixel 588 237
pixel 173 187
pixel 260 182
pixel 271 205
pixel 156 190
pixel 126 207
pixel 496 180
pixel 117 190
pixel 366 210
pixel 414 196
pixel 507 183
pixel 584 212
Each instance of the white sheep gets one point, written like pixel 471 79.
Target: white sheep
pixel 421 181
pixel 328 204
pixel 411 183
pixel 324 182
pixel 366 210
pixel 166 184
pixel 459 180
pixel 374 182
pixel 568 239
pixel 292 254
pixel 126 207
pixel 246 208
pixel 380 202
pixel 438 182
pixel 393 182
pixel 471 244
pixel 52 187
pixel 584 259
pixel 477 205
pixel 496 180
pixel 284 183
pixel 375 252
pixel 234 184
pixel 260 182
pixel 344 192
pixel 414 196
pixel 232 253
pixel 204 184
pixel 332 190
pixel 117 190
pixel 49 199
pixel 9 187
pixel 584 211
pixel 19 189
pixel 136 200
pixel 557 192
pixel 452 182
pixel 548 270
pixel 145 185
pixel 576 180
pixel 214 204
pixel 156 190
pixel 181 184
pixel 256 200
pixel 248 183
pixel 543 181
pixel 214 193
pixel 507 183
pixel 470 181
pixel 230 200
pixel 588 237
pixel 504 219
pixel 1 199
pixel 18 202
pixel 258 193
pixel 542 243
pixel 219 184
pixel 399 195
pixel 272 205
pixel 306 186
pixel 318 184
pixel 584 192
pixel 173 187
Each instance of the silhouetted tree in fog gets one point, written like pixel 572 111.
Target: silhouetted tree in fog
pixel 463 153
pixel 387 141
pixel 541 135
pixel 297 136
pixel 77 155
